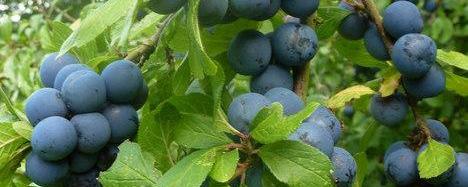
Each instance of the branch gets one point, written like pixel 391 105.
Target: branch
pixel 301 80
pixel 375 16
pixel 422 133
pixel 142 52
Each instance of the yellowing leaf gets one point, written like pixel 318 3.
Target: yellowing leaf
pixel 340 99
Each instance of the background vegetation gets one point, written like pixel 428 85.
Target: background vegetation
pixel 30 29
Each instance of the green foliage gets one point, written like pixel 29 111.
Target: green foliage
pixel 306 165
pixel 435 160
pixel 271 126
pixel 184 136
pixel 132 168
pixel 346 95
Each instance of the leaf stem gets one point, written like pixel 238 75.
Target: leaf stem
pixel 8 103
pixel 422 133
pixel 143 52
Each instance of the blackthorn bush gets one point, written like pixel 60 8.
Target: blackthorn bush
pixel 344 167
pixel 84 91
pixel 244 108
pixel 395 147
pixel 374 44
pixel 401 167
pixel 107 157
pixel 44 172
pixel 414 54
pixel 258 10
pixel 249 52
pixel 353 26
pixel 93 131
pixel 438 131
pixel 82 162
pixel 325 118
pixel 52 64
pixel 430 5
pixel 66 71
pixel 315 136
pixel 459 178
pixel 274 76
pixel 294 44
pixel 44 103
pixel 123 80
pixel 212 12
pixel 166 6
pixel 430 85
pixel 389 111
pixel 290 101
pixel 402 17
pixel 300 8
pixel 141 96
pixel 123 121
pixel 54 138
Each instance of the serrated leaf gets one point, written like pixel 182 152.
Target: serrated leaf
pixel 155 134
pixel 453 58
pixel 270 180
pixel 356 52
pixel 270 125
pixel 182 78
pixel 225 166
pixel 196 131
pixel 13 149
pixel 9 105
pixel 190 171
pixel 329 19
pixel 341 98
pixel 148 23
pixel 131 168
pixel 200 63
pixel 297 164
pixel 23 129
pixel 435 159
pixel 98 21
pixel 456 83
pixel 390 83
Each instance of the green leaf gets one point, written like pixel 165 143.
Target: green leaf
pixel 8 103
pixel 24 129
pixel 270 180
pixel 329 19
pixel 146 25
pixel 453 58
pixel 270 125
pixel 362 163
pixel 390 83
pixel 225 166
pixel 297 164
pixel 182 79
pixel 6 29
pixel 356 52
pixel 98 21
pixel 13 149
pixel 341 98
pixel 200 63
pixel 131 168
pixel 196 131
pixel 456 83
pixel 368 135
pixel 155 134
pixel 190 171
pixel 435 159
